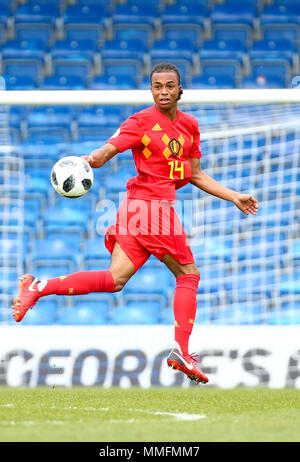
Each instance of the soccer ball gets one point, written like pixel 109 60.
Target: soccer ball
pixel 72 177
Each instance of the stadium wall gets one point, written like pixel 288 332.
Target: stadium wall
pixel 127 356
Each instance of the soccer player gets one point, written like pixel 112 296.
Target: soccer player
pixel 165 143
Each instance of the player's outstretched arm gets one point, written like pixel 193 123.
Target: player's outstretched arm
pixel 99 157
pixel 245 202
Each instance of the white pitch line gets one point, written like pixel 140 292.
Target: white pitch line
pixel 31 422
pixel 76 408
pixel 181 416
pixel 177 415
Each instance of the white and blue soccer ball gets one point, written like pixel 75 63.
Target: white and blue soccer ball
pixel 72 176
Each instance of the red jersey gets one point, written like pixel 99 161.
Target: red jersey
pixel 161 148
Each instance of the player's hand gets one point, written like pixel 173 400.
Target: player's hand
pixel 88 160
pixel 246 203
pixel 94 163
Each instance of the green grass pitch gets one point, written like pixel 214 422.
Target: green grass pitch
pixel 149 415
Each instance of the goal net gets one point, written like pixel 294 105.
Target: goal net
pixel 249 265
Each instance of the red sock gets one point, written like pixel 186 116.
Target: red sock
pixel 82 282
pixel 185 307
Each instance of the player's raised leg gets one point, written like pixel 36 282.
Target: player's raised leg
pixel 79 283
pixel 185 307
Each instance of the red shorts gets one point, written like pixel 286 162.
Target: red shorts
pixel 145 228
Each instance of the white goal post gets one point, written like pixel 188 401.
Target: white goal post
pixel 118 97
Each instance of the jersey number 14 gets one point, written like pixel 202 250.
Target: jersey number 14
pixel 176 166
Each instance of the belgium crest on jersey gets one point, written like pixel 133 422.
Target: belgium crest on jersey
pixel 174 146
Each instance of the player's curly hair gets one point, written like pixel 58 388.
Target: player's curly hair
pixel 167 67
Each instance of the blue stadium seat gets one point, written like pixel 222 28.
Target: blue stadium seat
pixel 84 32
pixel 150 308
pixel 280 14
pixel 66 217
pixel 99 120
pixel 29 50
pixel 220 49
pixel 24 82
pixel 44 313
pixel 42 271
pixel 215 249
pixel 128 51
pixel 50 116
pixel 219 81
pixel 240 314
pixel 191 36
pixel 135 15
pixel 73 58
pixel 94 14
pixel 134 315
pixel 54 250
pixel 95 250
pixel 99 115
pixel 72 68
pixel 278 51
pixel 215 67
pixel 270 71
pixel 143 36
pixel 202 316
pixel 232 32
pixel 37 185
pixel 74 49
pixel 275 32
pixel 117 182
pixel 111 82
pixel 20 67
pixel 86 204
pixel 274 81
pixel 40 33
pixel 178 51
pixel 63 82
pixel 37 13
pixel 120 69
pixel 85 312
pixel 149 281
pixel 70 236
pixel 49 135
pixel 245 14
pixel 190 14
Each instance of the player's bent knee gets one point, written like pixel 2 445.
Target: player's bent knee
pixel 120 283
pixel 188 269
